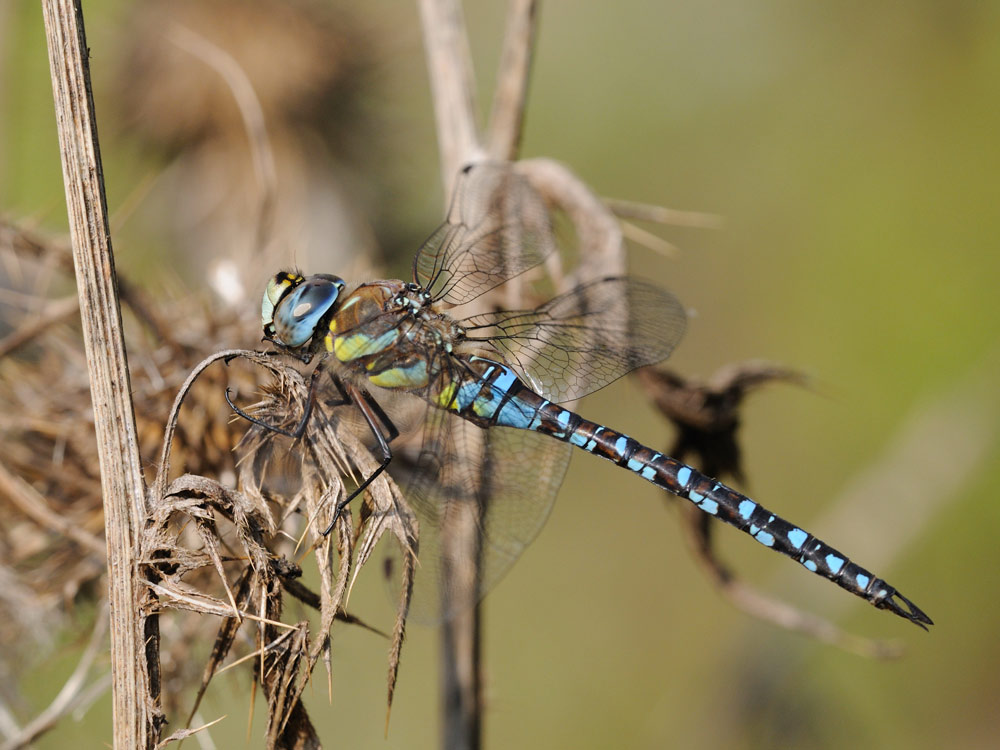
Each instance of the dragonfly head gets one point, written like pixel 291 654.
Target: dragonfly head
pixel 295 306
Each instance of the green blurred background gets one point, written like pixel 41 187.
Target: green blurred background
pixel 853 152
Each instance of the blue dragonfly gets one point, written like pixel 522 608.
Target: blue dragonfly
pixel 495 434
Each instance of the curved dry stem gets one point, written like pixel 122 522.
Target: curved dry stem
pixel 261 154
pixel 159 483
pixel 601 251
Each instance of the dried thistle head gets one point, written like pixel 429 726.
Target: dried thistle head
pixel 52 551
pixel 286 492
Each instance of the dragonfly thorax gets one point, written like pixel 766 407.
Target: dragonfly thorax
pixel 391 333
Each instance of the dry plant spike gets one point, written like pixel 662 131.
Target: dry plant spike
pixel 201 603
pixel 660 215
pixel 288 724
pixel 210 542
pixel 399 629
pixel 259 652
pixel 333 594
pixel 224 639
pixel 183 734
pixel 649 240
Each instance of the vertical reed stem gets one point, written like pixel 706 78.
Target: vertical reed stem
pixel 121 475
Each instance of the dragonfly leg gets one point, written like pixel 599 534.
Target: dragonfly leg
pixel 300 428
pixel 373 414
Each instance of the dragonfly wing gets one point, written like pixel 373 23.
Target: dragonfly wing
pixel 497 228
pixel 476 499
pixel 586 338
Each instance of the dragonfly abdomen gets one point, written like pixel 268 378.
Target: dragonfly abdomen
pixel 516 405
pixel 497 397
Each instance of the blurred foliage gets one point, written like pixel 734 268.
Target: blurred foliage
pixel 852 150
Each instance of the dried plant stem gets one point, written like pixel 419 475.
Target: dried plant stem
pixel 511 94
pixel 121 471
pixel 452 85
pixel 459 142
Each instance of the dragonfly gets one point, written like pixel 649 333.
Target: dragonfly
pixel 492 384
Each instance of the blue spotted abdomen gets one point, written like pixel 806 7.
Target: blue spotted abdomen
pixel 499 397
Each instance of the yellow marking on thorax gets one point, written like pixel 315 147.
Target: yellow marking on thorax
pixel 399 377
pixel 347 348
pixel 446 398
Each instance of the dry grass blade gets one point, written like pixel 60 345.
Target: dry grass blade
pixel 647 239
pixel 183 734
pixel 56 311
pixel 224 639
pixel 283 678
pixel 661 215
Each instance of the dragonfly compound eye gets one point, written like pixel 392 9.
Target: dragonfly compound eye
pixel 300 312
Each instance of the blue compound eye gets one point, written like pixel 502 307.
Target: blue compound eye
pixel 298 311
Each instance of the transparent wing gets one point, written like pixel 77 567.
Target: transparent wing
pixel 497 227
pixel 580 341
pixel 478 494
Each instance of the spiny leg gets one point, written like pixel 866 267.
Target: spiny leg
pixel 372 412
pixel 300 428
